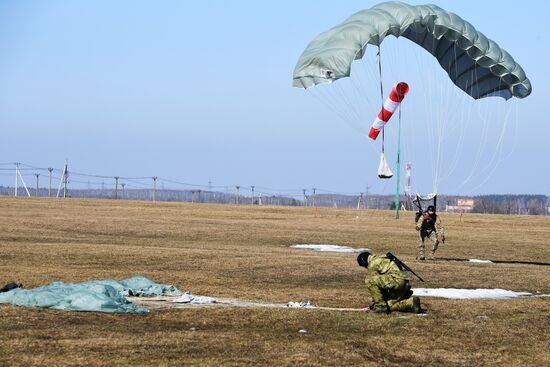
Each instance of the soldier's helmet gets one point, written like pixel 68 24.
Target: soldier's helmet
pixel 363 259
pixel 431 208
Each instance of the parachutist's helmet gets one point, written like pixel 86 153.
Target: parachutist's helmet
pixel 363 259
pixel 431 208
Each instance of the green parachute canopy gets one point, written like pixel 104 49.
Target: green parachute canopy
pixel 474 63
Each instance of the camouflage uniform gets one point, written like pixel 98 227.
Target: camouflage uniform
pixel 429 227
pixel 388 285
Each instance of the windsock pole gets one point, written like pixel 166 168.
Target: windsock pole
pixel 398 169
pixel 393 101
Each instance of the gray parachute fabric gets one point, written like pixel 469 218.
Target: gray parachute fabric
pixel 99 296
pixel 474 63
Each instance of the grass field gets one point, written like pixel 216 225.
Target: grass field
pixel 243 252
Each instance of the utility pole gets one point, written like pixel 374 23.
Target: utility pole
pixel 116 187
pixel 154 188
pixel 50 186
pixel 367 196
pixel 199 196
pixel 16 178
pixel 37 175
pixel 314 196
pixel 123 184
pixel 305 197
pixel 252 187
pixel 237 197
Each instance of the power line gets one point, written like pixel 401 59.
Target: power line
pixel 137 182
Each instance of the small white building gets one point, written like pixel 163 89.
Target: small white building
pixel 462 206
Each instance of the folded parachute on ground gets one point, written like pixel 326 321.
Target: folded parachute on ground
pixel 474 63
pixel 100 295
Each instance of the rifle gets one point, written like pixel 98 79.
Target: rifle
pixel 402 265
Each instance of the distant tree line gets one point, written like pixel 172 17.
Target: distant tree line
pixel 511 204
pixel 488 204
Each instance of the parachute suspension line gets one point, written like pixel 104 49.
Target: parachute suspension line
pixel 483 139
pixel 456 110
pixel 464 112
pixel 495 161
pixel 381 91
pixel 328 101
pixel 347 102
pixel 440 129
pixel 429 107
pixel 459 111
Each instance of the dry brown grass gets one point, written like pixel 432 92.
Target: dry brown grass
pixel 242 252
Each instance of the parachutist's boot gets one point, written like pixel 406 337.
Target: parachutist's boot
pixel 420 257
pixel 416 305
pixel 379 309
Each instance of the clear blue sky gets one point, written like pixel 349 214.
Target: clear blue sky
pixel 194 91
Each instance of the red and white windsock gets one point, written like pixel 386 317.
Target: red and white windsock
pixel 392 102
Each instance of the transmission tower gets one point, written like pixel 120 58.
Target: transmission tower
pixel 19 176
pixel 361 202
pixel 64 179
pixel 408 188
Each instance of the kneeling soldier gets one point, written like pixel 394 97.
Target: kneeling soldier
pixel 388 285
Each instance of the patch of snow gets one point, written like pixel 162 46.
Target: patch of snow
pixel 480 261
pixel 188 297
pixel 300 305
pixel 454 293
pixel 203 300
pixel 328 248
